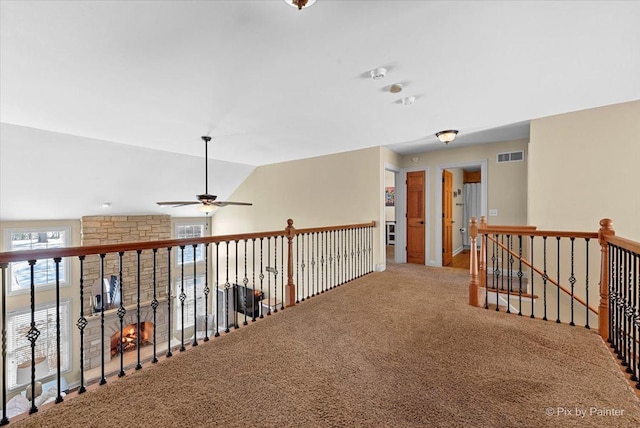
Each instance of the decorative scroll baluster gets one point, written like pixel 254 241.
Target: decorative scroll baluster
pixel 510 264
pixel 586 282
pixel 227 287
pixel 121 313
pixel 312 269
pixel 496 270
pixel 245 282
pixel 519 275
pixel 182 298
pixel 262 275
pixel 154 304
pixel 502 263
pixel 626 310
pixel 33 335
pixel 275 276
pixel 612 296
pixel 195 298
pixel 302 266
pixel 558 276
pixel 572 281
pixel 3 279
pixel 339 258
pixel 636 318
pixel 169 286
pixel 81 324
pixel 330 265
pixel 103 378
pixel 359 251
pixel 624 307
pixel 57 261
pixel 217 318
pixel 235 292
pixel 206 292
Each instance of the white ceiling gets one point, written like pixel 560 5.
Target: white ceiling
pixel 271 83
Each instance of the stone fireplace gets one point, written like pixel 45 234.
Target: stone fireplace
pixel 99 230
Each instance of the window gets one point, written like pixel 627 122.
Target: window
pixel 189 305
pixel 19 347
pixel 44 270
pixel 189 230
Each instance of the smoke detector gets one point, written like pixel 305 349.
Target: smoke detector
pixel 408 100
pixel 378 73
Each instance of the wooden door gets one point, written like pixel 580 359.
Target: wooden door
pixel 415 217
pixel 447 218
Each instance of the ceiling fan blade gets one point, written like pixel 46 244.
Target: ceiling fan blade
pixel 177 203
pixel 225 203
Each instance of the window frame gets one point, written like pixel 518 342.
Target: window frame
pixel 65 278
pixel 189 300
pixel 189 250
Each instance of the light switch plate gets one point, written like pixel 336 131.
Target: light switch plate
pixel 493 212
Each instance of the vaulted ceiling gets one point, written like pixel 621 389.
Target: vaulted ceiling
pixel 145 79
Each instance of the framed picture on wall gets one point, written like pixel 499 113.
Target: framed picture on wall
pixel 389 196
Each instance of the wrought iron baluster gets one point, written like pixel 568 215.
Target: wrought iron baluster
pixel 206 292
pixel 262 277
pixel 245 282
pixel 313 265
pixel 486 272
pixel 545 277
pixel 227 287
pixel 502 263
pixel 103 378
pixel 57 261
pixel 121 313
pixel 3 279
pixel 520 275
pixel 195 297
pixel 339 258
pixel 81 324
pixel 182 298
pixel 636 318
pixel 275 275
pixel 282 271
pixel 510 271
pixel 586 281
pixel 138 343
pixel 624 309
pixel 330 262
pixel 33 335
pixel 321 255
pixel 302 266
pixel 532 277
pixel 298 269
pixel 154 304
pixel 169 287
pixel 496 269
pixel 218 309
pixel 611 296
pixel 253 282
pixel 572 280
pixel 235 292
pixel 558 276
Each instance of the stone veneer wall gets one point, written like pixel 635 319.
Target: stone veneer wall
pixel 100 230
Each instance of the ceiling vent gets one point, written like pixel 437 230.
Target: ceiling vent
pixel 511 156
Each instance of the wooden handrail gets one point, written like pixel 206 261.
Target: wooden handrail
pixel 524 231
pixel 539 272
pixel 626 244
pixel 25 255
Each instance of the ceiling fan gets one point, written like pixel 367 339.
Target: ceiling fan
pixel 207 202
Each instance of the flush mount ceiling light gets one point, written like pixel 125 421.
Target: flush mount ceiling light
pixel 447 136
pixel 105 205
pixel 300 4
pixel 378 73
pixel 395 88
pixel 408 100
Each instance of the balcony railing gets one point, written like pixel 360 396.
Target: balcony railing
pixel 559 284
pixel 252 275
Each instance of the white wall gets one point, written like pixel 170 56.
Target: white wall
pixel 583 166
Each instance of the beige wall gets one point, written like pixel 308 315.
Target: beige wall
pixel 328 190
pixel 458 210
pixel 583 166
pixel 506 182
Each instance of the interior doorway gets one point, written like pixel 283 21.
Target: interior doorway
pixel 390 181
pixel 447 217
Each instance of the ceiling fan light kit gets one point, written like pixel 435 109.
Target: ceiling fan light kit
pixel 207 202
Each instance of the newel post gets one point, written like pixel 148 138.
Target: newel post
pixel 290 291
pixel 482 266
pixel 606 229
pixel 473 282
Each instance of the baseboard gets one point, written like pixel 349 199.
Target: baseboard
pixel 458 251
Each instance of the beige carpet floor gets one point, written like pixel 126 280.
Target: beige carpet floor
pixel 399 348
